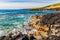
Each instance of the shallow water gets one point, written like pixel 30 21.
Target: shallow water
pixel 16 19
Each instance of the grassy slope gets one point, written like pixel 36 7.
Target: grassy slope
pixel 52 6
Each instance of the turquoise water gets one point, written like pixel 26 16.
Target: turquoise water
pixel 10 19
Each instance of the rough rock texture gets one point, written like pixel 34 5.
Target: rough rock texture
pixel 54 20
pixel 50 19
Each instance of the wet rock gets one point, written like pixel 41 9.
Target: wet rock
pixel 25 38
pixel 53 38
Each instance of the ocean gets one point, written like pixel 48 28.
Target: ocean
pixel 16 19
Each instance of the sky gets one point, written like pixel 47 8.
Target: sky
pixel 23 4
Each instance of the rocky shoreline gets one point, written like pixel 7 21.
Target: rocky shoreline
pixel 49 24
